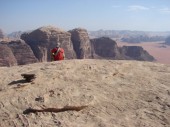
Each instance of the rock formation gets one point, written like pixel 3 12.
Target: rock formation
pixel 81 43
pixel 7 57
pixel 76 44
pixel 16 53
pixel 22 52
pixel 105 47
pixel 136 53
pixel 42 40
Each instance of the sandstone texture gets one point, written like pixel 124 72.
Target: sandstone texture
pixel 106 93
pixel 81 43
pixel 43 39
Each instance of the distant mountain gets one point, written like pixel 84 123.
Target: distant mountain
pixel 143 38
pixel 167 41
pixel 15 35
pixel 130 36
pixel 1 34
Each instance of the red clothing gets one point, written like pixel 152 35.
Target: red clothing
pixel 57 54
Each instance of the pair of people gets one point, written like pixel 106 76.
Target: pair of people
pixel 57 53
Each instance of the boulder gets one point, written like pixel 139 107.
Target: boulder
pixel 81 43
pixel 43 39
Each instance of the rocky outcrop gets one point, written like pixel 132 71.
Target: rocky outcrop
pixel 81 43
pixel 105 47
pixel 22 52
pixel 42 40
pixel 7 57
pixel 136 53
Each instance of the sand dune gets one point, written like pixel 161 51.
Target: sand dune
pixel 113 93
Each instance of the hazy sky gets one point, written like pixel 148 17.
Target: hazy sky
pixel 148 15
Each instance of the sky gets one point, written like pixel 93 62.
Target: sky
pixel 142 15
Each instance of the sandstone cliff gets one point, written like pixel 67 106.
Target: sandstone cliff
pixel 43 39
pixel 76 44
pixel 105 47
pixel 94 93
pixel 136 53
pixel 7 57
pixel 81 43
pixel 22 52
pixel 16 53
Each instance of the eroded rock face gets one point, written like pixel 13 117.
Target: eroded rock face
pixel 81 43
pixel 22 52
pixel 16 53
pixel 7 57
pixel 42 40
pixel 105 47
pixel 136 53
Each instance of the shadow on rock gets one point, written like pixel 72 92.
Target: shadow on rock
pixel 17 82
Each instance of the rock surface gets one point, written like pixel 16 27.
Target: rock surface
pixel 81 43
pixel 43 39
pixel 116 93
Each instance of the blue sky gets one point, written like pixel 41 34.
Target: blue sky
pixel 146 15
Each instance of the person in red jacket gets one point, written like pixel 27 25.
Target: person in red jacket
pixel 57 53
